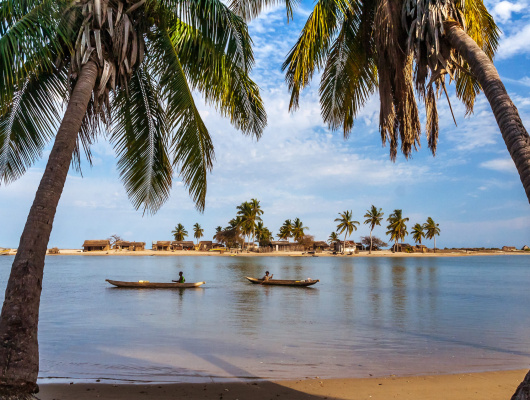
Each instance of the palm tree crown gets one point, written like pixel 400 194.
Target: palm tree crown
pixel 346 224
pixel 397 228
pixel 431 230
pixel 418 233
pixel 197 232
pixel 179 233
pixel 298 229
pixel 373 217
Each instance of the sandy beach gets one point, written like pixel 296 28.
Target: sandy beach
pixel 233 253
pixel 485 385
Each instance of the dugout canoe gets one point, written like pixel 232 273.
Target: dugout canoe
pixel 280 282
pixel 155 285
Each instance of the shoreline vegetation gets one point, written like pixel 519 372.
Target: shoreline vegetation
pixel 491 385
pixel 239 253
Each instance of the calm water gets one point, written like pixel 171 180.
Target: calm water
pixel 374 316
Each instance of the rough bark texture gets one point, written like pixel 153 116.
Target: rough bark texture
pixel 513 132
pixel 523 391
pixel 19 348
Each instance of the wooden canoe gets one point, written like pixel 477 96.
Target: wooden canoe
pixel 155 285
pixel 280 282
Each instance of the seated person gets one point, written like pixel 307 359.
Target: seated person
pixel 181 278
pixel 267 277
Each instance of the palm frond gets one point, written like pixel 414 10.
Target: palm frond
pixel 192 147
pixel 140 136
pixel 28 122
pixel 27 43
pixel 213 70
pixel 250 9
pixel 349 78
pixel 309 53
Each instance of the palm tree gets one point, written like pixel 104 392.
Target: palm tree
pixel 179 233
pixel 297 229
pixel 247 218
pixel 415 45
pixel 397 229
pixel 333 237
pixel 373 217
pixel 418 233
pixel 135 64
pixel 263 234
pixel 346 225
pixel 286 230
pixel 431 230
pixel 256 213
pixel 197 232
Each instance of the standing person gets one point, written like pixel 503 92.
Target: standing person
pixel 267 277
pixel 181 278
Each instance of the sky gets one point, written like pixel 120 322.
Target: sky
pixel 299 168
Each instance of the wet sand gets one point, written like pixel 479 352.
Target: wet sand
pixel 485 385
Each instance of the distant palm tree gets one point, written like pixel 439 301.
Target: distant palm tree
pixel 346 224
pixel 333 238
pixel 218 234
pixel 256 213
pixel 373 217
pixel 198 232
pixel 397 229
pixel 262 233
pixel 431 230
pixel 179 233
pixel 298 229
pixel 418 233
pixel 247 218
pixel 286 230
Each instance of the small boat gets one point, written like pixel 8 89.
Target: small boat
pixel 155 285
pixel 281 282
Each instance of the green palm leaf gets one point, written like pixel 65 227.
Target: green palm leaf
pixel 28 122
pixel 140 136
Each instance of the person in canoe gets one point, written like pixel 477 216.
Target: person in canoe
pixel 267 276
pixel 181 278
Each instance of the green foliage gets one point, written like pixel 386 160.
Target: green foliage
pixel 179 233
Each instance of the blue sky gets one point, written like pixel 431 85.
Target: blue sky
pixel 301 169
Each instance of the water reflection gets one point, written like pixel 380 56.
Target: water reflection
pixel 367 315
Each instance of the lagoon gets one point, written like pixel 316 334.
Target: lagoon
pixel 366 317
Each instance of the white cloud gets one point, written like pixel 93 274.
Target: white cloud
pixel 503 10
pixel 500 164
pixel 516 43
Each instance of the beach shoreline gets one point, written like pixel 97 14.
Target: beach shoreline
pixel 463 386
pixel 365 253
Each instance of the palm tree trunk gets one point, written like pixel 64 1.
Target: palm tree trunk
pixel 513 132
pixel 19 348
pixel 370 252
pixel 435 243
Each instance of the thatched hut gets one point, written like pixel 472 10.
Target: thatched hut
pixel 348 248
pixel 96 245
pixel 319 246
pixel 205 245
pixel 131 246
pixel 54 250
pixel 182 245
pixel 508 248
pixel 162 245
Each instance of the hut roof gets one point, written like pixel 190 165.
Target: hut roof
pixel 163 243
pixel 279 242
pixel 182 243
pixel 205 242
pixel 320 243
pixel 95 243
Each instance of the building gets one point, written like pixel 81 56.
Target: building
pixel 508 248
pixel 162 245
pixel 349 248
pixel 320 246
pixel 131 246
pixel 205 245
pixel 96 245
pixel 182 245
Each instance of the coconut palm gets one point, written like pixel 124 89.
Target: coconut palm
pixel 263 234
pixel 418 233
pixel 333 237
pixel 198 232
pixel 124 67
pixel 431 230
pixel 373 218
pixel 346 225
pixel 397 228
pixel 396 48
pixel 297 229
pixel 179 233
pixel 286 230
pixel 246 212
